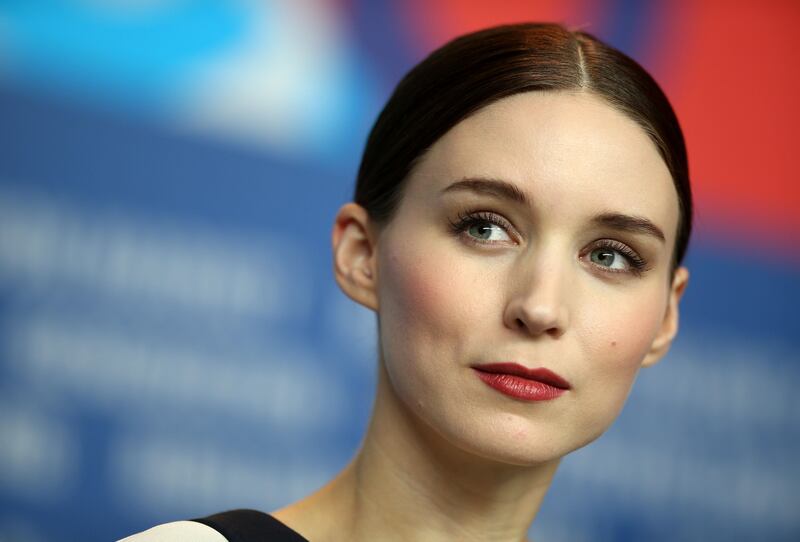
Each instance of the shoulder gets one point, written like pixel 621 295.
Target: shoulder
pixel 232 526
pixel 178 531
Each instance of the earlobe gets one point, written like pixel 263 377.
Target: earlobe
pixel 354 257
pixel 669 325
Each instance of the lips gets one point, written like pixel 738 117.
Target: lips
pixel 519 382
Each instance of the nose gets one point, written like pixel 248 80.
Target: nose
pixel 537 303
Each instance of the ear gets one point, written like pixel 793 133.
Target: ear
pixel 669 326
pixel 354 255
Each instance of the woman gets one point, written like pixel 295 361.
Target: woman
pixel 520 217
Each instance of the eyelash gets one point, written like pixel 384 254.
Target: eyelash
pixel 465 220
pixel 638 265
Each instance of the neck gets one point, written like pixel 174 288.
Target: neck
pixel 408 483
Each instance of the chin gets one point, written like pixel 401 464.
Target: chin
pixel 516 441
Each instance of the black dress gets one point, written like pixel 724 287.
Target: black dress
pixel 250 526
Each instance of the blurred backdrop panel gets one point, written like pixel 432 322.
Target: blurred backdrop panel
pixel 172 342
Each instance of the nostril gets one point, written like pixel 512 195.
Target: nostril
pixel 535 319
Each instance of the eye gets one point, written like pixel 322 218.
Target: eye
pixel 483 227
pixel 615 257
pixel 486 231
pixel 607 257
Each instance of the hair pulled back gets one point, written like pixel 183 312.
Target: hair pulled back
pixel 477 69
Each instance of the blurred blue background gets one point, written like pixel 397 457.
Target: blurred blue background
pixel 169 173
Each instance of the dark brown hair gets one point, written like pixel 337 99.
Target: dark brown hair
pixel 477 69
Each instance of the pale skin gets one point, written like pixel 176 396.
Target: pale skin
pixel 464 273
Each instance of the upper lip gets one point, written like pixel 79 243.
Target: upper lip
pixel 540 374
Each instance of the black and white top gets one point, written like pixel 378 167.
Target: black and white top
pixel 232 526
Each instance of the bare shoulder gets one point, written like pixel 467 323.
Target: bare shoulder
pixel 177 531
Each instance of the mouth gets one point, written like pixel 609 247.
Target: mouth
pixel 519 382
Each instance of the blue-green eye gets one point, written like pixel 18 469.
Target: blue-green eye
pixel 486 231
pixel 483 227
pixel 608 257
pixel 616 257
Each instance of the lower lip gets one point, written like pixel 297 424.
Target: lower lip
pixel 520 388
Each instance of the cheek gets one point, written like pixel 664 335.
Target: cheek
pixel 413 300
pixel 623 341
pixel 428 315
pixel 429 288
pixel 616 341
pixel 418 305
pixel 413 292
pixel 618 330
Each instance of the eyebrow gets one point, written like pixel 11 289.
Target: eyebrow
pixel 492 187
pixel 630 224
pixel 506 190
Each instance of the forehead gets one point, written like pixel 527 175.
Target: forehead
pixel 570 152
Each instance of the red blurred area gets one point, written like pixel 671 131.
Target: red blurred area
pixel 731 72
pixel 441 20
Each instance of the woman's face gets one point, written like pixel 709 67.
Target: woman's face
pixel 529 234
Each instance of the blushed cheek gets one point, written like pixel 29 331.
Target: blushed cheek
pixel 620 342
pixel 414 288
pixel 630 342
pixel 417 323
pixel 623 337
pixel 419 308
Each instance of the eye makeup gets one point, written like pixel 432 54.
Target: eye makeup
pixel 476 227
pixel 466 221
pixel 635 263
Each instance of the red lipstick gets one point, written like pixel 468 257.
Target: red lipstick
pixel 516 381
